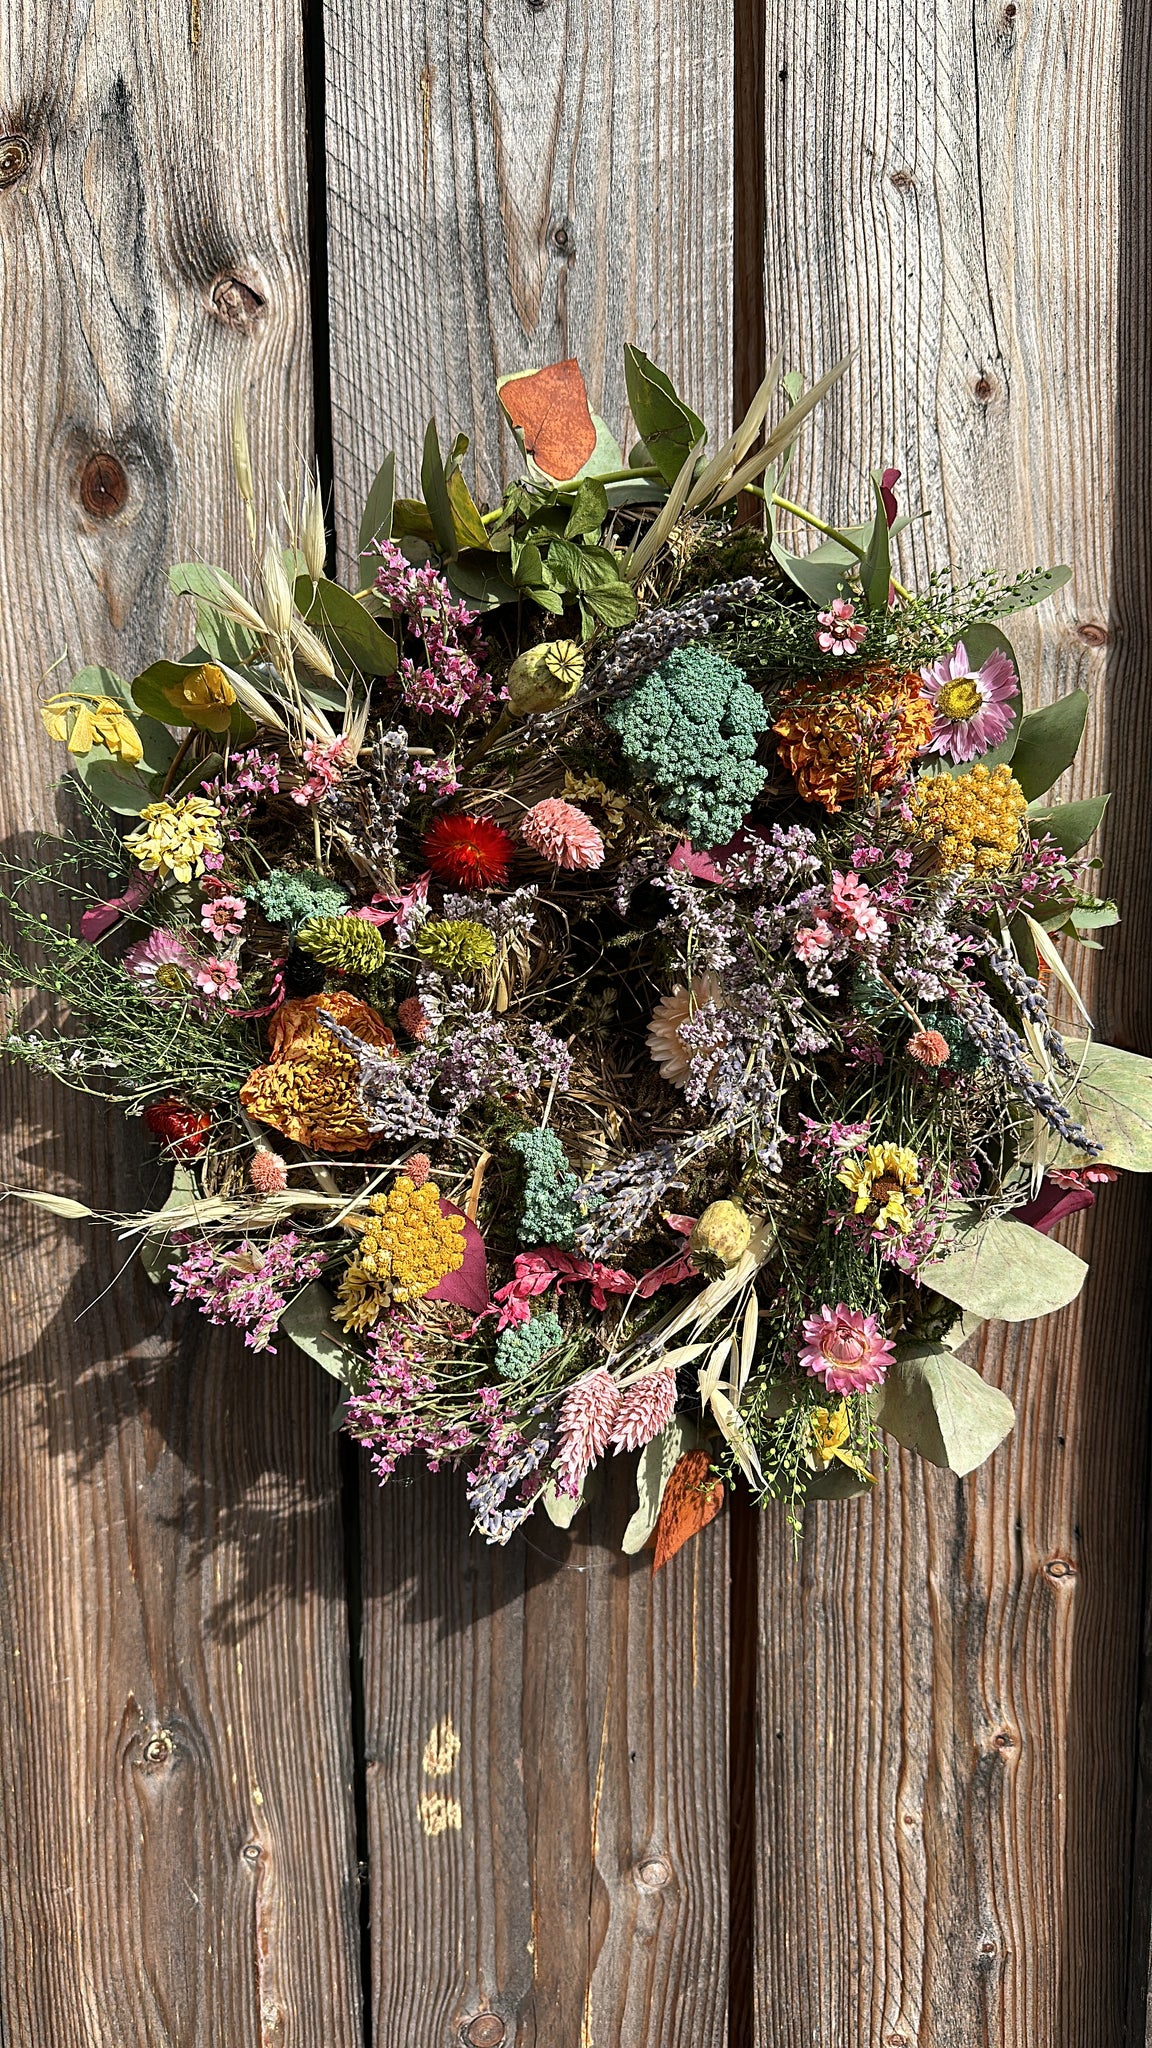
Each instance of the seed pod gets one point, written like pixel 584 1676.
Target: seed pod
pixel 722 1235
pixel 545 676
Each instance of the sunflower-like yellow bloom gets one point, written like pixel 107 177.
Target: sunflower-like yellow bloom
pixel 407 1246
pixel 85 722
pixel 882 1179
pixel 972 820
pixel 172 839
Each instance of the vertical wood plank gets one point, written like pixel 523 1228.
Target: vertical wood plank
pixel 948 1676
pixel 509 183
pixel 178 1861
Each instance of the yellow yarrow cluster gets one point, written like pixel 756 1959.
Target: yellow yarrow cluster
pixel 173 838
pixel 972 820
pixel 86 722
pixel 406 1248
pixel 882 1178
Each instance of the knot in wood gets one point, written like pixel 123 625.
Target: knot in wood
pixel 563 238
pixel 15 158
pixel 1092 633
pixel 103 485
pixel 1060 1568
pixel 654 1873
pixel 486 2030
pixel 158 1748
pixel 251 1852
pixel 235 302
pixel 983 389
pixel 903 180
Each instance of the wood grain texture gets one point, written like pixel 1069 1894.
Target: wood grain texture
pixel 948 1676
pixel 511 182
pixel 178 1860
pixel 566 1871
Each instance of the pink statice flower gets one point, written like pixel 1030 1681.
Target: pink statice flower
pixel 845 1348
pixel 246 1284
pixel 646 1407
pixel 841 632
pixel 223 916
pixel 162 964
pixel 324 766
pixel 563 834
pixel 442 674
pixel 587 1419
pixel 971 708
pixel 217 980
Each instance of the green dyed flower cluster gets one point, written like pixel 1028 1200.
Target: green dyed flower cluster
pixel 690 729
pixel 523 1345
pixel 549 1211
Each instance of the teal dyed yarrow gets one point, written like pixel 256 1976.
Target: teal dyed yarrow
pixel 292 899
pixel 549 1212
pixel 522 1346
pixel 690 729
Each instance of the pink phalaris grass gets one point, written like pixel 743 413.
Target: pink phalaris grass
pixel 562 833
pixel 646 1407
pixel 587 1418
pixel 267 1173
pixel 417 1169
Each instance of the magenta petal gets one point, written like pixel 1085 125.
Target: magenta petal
pixel 687 860
pixel 1051 1205
pixel 468 1285
pixel 888 482
pixel 102 916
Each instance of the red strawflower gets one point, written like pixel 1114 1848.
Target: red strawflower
pixel 471 852
pixel 184 1130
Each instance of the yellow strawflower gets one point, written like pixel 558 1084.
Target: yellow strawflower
pixel 172 839
pixel 406 1248
pixel 972 820
pixel 87 721
pixel 881 1179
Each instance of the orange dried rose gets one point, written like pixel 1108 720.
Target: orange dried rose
pixel 309 1090
pixel 837 743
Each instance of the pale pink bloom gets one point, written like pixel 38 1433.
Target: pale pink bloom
pixel 852 899
pixel 267 1173
pixel 813 941
pixel 217 980
pixel 325 765
pixel 869 924
pixel 646 1407
pixel 587 1418
pixel 223 916
pixel 562 833
pixel 842 632
pixel 163 964
pixel 971 708
pixel 845 1348
pixel 418 1169
pixel 673 1011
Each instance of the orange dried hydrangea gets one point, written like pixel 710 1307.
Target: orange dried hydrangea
pixel 309 1090
pixel 838 743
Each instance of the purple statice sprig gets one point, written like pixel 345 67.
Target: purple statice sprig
pixel 247 1285
pixel 443 677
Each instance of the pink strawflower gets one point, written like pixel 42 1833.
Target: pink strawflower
pixel 562 833
pixel 223 916
pixel 412 1017
pixel 971 708
pixel 587 1419
pixel 928 1048
pixel 162 964
pixel 418 1169
pixel 646 1407
pixel 217 980
pixel 841 633
pixel 846 1349
pixel 324 765
pixel 267 1173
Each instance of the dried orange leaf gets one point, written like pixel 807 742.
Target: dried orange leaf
pixel 693 1497
pixel 550 407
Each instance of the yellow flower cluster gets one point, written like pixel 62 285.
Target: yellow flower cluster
pixel 881 1179
pixel 173 838
pixel 86 722
pixel 972 820
pixel 406 1247
pixel 838 743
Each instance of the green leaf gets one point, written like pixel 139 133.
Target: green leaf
pixel 1047 742
pixel 470 529
pixel 1070 825
pixel 821 574
pixel 605 457
pixel 410 519
pixel 935 1404
pixel 308 1322
pixel 1006 1271
pixel 121 788
pixel 479 580
pixel 230 641
pixel 156 1250
pixel 434 485
pixel 376 521
pixel 669 427
pixel 1030 590
pixel 614 604
pixel 352 636
pixel 836 1483
pixel 1113 1096
pixel 94 681
pixel 876 568
pixel 653 1472
pixel 589 511
pixel 560 1508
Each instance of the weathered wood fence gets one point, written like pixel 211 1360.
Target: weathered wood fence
pixel 884 1792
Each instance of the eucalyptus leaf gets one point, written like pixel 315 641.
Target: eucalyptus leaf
pixel 354 639
pixel 820 574
pixel 560 1508
pixel 837 1483
pixel 1030 590
pixel 434 485
pixel 669 427
pixel 1113 1097
pixel 1070 825
pixel 1006 1271
pixel 470 529
pixel 1048 741
pixel 876 568
pixel 156 1248
pixel 308 1322
pixel 376 519
pixel 933 1403
pixel 653 1471
pixel 606 455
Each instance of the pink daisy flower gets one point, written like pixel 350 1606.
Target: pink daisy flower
pixel 845 1348
pixel 563 834
pixel 223 916
pixel 813 941
pixel 842 633
pixel 217 980
pixel 971 707
pixel 162 964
